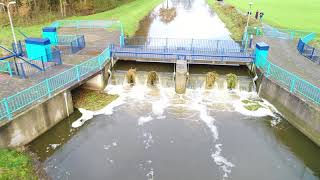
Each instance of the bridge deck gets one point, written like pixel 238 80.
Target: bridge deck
pixel 285 54
pixel 194 56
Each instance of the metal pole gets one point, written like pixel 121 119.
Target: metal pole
pixel 249 14
pixel 11 24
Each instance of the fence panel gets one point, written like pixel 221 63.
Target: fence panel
pixel 290 81
pixel 60 80
pixel 5 67
pixel 27 97
pixel 3 110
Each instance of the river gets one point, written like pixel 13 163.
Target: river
pixel 152 133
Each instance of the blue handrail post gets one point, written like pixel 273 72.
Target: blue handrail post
pixel 9 69
pixel 292 85
pixel 312 53
pixel 23 72
pixel 48 87
pixel 6 104
pixel 78 72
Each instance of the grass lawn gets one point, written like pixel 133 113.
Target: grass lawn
pixel 129 14
pixel 15 165
pixel 291 14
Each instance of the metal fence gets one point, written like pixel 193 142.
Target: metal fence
pixel 78 44
pixel 183 44
pixel 91 24
pixel 308 51
pixel 290 81
pixel 71 44
pixel 5 67
pixel 14 103
pixel 278 33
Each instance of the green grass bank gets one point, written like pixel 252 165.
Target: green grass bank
pixel 129 14
pixel 291 14
pixel 234 20
pixel 16 165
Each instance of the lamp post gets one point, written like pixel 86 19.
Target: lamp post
pixel 249 14
pixel 10 19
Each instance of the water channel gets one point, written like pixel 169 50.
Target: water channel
pixel 152 133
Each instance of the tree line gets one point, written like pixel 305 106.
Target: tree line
pixel 27 12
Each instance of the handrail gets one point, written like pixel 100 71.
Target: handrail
pixel 293 83
pixel 22 99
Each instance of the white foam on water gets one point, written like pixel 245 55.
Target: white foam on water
pixel 148 141
pixel 144 119
pixel 107 110
pixel 54 146
pixel 266 109
pixel 86 115
pixel 221 161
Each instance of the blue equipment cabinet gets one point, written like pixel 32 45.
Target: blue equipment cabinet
pixel 50 33
pixel 38 48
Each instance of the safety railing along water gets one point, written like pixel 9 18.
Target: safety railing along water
pixel 293 83
pixel 13 104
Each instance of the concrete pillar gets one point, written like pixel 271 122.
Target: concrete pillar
pixel 261 51
pixel 181 76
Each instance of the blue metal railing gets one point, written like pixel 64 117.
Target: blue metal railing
pixel 87 24
pixel 278 33
pixel 183 44
pixel 14 103
pixel 71 43
pixel 308 51
pixel 5 67
pixel 290 81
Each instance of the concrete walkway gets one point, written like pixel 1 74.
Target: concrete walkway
pixel 96 41
pixel 285 54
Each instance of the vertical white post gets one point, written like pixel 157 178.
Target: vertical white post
pixel 11 24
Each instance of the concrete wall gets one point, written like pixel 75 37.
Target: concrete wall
pixel 100 81
pixel 302 114
pixel 36 120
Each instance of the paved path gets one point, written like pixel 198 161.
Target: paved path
pixel 285 54
pixel 96 41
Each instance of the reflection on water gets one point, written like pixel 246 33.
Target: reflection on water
pixel 186 19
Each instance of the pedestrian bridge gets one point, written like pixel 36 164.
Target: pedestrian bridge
pixel 194 51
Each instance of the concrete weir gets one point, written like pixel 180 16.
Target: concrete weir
pixel 181 76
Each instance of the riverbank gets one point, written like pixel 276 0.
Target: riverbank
pixel 16 165
pixel 298 15
pixel 129 14
pixel 233 19
pixel 91 100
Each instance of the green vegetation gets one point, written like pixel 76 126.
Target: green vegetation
pixel 232 81
pixel 291 14
pixel 251 105
pixel 234 20
pixel 211 79
pixel 15 165
pixel 129 14
pixel 91 100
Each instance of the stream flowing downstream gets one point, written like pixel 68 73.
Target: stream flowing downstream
pixel 152 133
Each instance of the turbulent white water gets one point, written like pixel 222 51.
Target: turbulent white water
pixel 198 100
